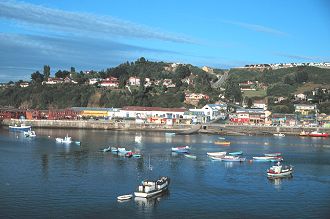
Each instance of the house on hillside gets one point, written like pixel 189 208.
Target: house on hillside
pixel 215 111
pixel 262 104
pixel 53 81
pixel 110 82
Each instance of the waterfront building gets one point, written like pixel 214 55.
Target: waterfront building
pixel 306 113
pixel 284 119
pixel 62 114
pixel 215 111
pixel 151 112
pixel 249 116
pixel 96 113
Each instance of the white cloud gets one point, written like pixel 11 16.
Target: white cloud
pixel 75 22
pixel 256 27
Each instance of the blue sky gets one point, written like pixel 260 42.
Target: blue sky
pixel 104 33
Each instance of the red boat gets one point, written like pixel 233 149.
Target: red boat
pixel 318 134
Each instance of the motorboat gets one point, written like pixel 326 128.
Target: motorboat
pixel 124 197
pixel 123 151
pixel 65 140
pixel 151 188
pixel 136 155
pixel 129 154
pixel 279 134
pixel 19 128
pixel 279 171
pixel 276 154
pixel 229 158
pixel 181 149
pixel 217 154
pixel 30 134
pixel 169 133
pixel 235 153
pixel 225 143
pixel 318 134
pixel 114 150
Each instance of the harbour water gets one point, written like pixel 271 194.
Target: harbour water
pixel 40 178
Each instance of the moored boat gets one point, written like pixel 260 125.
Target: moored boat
pixel 30 134
pixel 276 154
pixel 268 159
pixel 279 134
pixel 190 156
pixel 217 154
pixel 279 171
pixel 151 188
pixel 236 153
pixel 124 197
pixel 181 149
pixel 106 149
pixel 318 134
pixel 229 158
pixel 65 140
pixel 226 143
pixel 19 128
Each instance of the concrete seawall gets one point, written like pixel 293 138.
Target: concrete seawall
pixel 223 129
pixel 105 125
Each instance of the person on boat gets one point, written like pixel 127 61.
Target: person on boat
pixel 278 163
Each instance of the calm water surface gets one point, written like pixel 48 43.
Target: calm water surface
pixel 43 179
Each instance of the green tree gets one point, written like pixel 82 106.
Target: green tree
pixel 232 91
pixel 72 70
pixel 37 77
pixel 46 72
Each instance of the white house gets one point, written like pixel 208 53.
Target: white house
pixel 110 82
pixel 215 111
pixel 93 81
pixel 134 81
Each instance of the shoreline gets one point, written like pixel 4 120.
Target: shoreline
pixel 221 129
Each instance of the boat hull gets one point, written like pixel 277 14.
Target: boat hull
pixel 150 194
pixel 279 175
pixel 19 129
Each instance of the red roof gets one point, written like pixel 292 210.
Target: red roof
pixel 144 108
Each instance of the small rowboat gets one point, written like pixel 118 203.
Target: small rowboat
pixel 226 143
pixel 124 197
pixel 236 153
pixel 217 154
pixel 273 154
pixel 182 149
pixel 190 156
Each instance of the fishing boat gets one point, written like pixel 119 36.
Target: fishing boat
pixel 151 188
pixel 217 154
pixel 30 134
pixel 221 138
pixel 114 150
pixel 226 143
pixel 318 134
pixel 169 133
pixel 236 153
pixel 181 149
pixel 129 154
pixel 276 154
pixel 279 171
pixel 77 142
pixel 190 156
pixel 279 134
pixel 229 158
pixel 106 149
pixel 19 128
pixel 65 140
pixel 124 197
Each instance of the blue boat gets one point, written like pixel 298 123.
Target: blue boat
pixel 20 128
pixel 236 153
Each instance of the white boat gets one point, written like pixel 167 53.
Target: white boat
pixel 170 133
pixel 65 140
pixel 181 149
pixel 30 134
pixel 124 197
pixel 106 149
pixel 279 171
pixel 279 134
pixel 229 158
pixel 151 188
pixel 19 128
pixel 268 159
pixel 217 154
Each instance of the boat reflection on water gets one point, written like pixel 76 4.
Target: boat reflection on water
pixel 278 181
pixel 148 204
